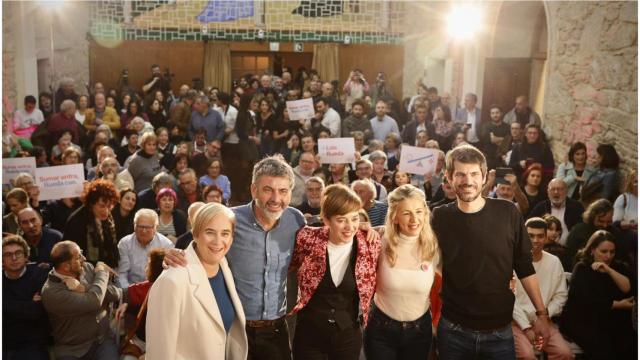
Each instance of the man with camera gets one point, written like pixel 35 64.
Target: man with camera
pixel 156 82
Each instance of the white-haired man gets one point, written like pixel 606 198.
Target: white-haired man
pixel 135 247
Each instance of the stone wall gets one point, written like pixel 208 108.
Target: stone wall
pixel 9 88
pixel 592 93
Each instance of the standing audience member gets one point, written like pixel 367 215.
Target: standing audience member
pixel 357 121
pixel 422 121
pixel 469 119
pixel 92 227
pixel 597 315
pixel 145 163
pixel 64 121
pixel 383 124
pixel 203 117
pixel 66 91
pixel 444 127
pixel 532 150
pixel 336 268
pixel 101 114
pixel 553 288
pixel 75 296
pixel 310 208
pixel 522 113
pixel 147 197
pixel 625 214
pixel 327 117
pixel 181 115
pixel 356 87
pixel 135 248
pixel 194 311
pixel 532 188
pixel 400 318
pixel 492 136
pixel 575 172
pixel 25 325
pixel 302 172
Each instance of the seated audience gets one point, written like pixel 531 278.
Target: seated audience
pixel 214 177
pixel 534 149
pixel 24 320
pixel 553 288
pixel 92 227
pixel 532 188
pixel 16 200
pixel 566 210
pixel 147 197
pixel 145 163
pixel 302 172
pixel 189 191
pixel 605 181
pixel 40 239
pixel 74 296
pixel 201 160
pixel 172 222
pixel 575 172
pixel 597 315
pixel 123 213
pixel 377 210
pixel 310 208
pixel 212 193
pixel 554 233
pixel 134 303
pixel 134 248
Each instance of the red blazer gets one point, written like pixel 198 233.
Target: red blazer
pixel 309 259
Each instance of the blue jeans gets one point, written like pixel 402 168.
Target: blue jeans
pixel 388 339
pixel 456 342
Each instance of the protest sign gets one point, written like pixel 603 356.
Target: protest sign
pixel 337 150
pixel 301 109
pixel 59 182
pixel 11 167
pixel 419 161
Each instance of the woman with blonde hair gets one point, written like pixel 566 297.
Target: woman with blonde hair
pixel 194 311
pixel 400 318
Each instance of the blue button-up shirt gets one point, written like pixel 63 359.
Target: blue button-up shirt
pixel 212 122
pixel 259 261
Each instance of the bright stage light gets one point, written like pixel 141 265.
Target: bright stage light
pixel 464 21
pixel 51 4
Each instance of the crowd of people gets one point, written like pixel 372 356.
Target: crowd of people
pixel 271 254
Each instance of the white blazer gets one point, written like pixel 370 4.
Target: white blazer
pixel 183 319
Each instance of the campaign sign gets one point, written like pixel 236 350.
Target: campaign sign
pixel 419 161
pixel 59 182
pixel 301 109
pixel 11 167
pixel 337 150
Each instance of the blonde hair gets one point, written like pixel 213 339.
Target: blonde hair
pixel 338 199
pixel 206 213
pixel 427 243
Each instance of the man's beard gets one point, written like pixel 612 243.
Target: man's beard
pixel 269 214
pixel 466 197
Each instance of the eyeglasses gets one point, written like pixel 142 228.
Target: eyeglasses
pixel 145 227
pixel 18 254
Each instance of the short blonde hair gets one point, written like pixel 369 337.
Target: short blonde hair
pixel 427 243
pixel 146 137
pixel 208 212
pixel 338 199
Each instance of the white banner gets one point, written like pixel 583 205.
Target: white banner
pixel 301 109
pixel 11 167
pixel 59 182
pixel 419 161
pixel 337 150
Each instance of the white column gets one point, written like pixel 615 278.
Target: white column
pixel 26 60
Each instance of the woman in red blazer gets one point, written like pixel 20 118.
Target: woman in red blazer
pixel 336 279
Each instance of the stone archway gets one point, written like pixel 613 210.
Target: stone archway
pixel 515 63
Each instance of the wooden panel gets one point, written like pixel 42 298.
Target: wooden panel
pixel 371 59
pixel 504 80
pixel 183 58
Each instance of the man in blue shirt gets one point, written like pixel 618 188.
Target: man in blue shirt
pixel 383 124
pixel 207 118
pixel 263 244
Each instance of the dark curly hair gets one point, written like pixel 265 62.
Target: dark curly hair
pixel 156 257
pixel 99 189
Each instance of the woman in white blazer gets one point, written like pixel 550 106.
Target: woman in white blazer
pixel 194 312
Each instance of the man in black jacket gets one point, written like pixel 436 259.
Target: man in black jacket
pixel 567 210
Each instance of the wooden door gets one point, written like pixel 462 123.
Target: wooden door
pixel 504 80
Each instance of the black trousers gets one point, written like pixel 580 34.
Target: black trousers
pixel 313 342
pixel 269 343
